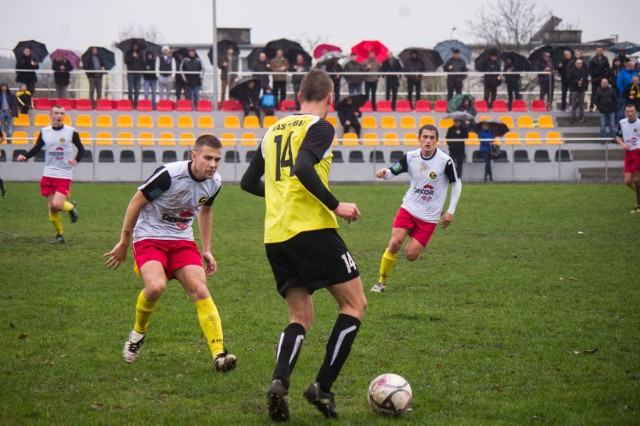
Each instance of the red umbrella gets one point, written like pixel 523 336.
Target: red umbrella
pixel 71 57
pixel 320 49
pixel 362 50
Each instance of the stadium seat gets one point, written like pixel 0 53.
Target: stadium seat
pixel 144 122
pixel 17 152
pixel 127 156
pixel 335 141
pixel 146 139
pixel 144 105
pixel 204 105
pixel 520 156
pixel 395 156
pixel 3 155
pixel 554 138
pixel 125 139
pixel 106 156
pixel 337 157
pixel 231 122
pixel 512 138
pixel 541 156
pixel 104 105
pixel 165 122
pixel 87 156
pixel 426 119
pixel 205 122
pixel 390 139
pixel 187 139
pixel 270 120
pixel 423 106
pixel 288 105
pixel 356 157
pixel 20 138
pixel 384 106
pixel 499 105
pixel 22 120
pixel 251 122
pixel 445 123
pixel 388 122
pixel 231 105
pixel 248 139
pixel 376 157
pixel 562 156
pixel 83 121
pixel 83 105
pixel 41 120
pixel 402 105
pixel 507 120
pixel 484 118
pixel 165 105
pixel 185 122
pixel 166 139
pixel 369 122
pixel 546 122
pixel 169 156
pixel 231 156
pixel 525 122
pixel 410 139
pixel 184 105
pixel 408 122
pixel 249 155
pixel 124 122
pixel 440 106
pixel 481 105
pixel 476 157
pixel 538 105
pixel 124 105
pixel 472 140
pixel 367 107
pixel 149 156
pixel 370 139
pixel 66 103
pixel 104 139
pixel 532 138
pixel 42 104
pixel 104 121
pixel 228 139
pixel 502 157
pixel 67 120
pixel 86 138
pixel 518 105
pixel 350 139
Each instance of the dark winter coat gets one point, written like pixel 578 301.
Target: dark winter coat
pixel 599 67
pixel 393 65
pixel 26 77
pixel 61 78
pixel 458 65
pixel 491 80
pixel 578 79
pixel 606 99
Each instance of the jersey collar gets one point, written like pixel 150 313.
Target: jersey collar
pixel 435 151
pixel 191 175
pixel 57 128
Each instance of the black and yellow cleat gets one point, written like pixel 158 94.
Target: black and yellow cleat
pixel 323 401
pixel 277 396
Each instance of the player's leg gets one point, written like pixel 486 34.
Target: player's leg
pixel 628 180
pixel 3 189
pixel 390 257
pixel 55 202
pixel 636 181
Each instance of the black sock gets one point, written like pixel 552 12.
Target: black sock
pixel 338 348
pixel 287 352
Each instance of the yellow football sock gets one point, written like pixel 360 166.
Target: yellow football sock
pixel 211 325
pixel 56 221
pixel 387 264
pixel 144 309
pixel 67 207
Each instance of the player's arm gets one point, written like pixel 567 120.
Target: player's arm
pixel 456 190
pixel 119 252
pixel 252 179
pixel 33 151
pixel 389 173
pixel 205 223
pixel 78 144
pixel 619 139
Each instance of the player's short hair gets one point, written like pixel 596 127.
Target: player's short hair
pixel 431 128
pixel 315 86
pixel 56 106
pixel 630 105
pixel 208 140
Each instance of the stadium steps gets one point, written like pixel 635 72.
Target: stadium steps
pixel 577 133
pixel 590 120
pixel 597 154
pixel 599 175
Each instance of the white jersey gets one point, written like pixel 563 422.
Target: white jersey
pixel 176 197
pixel 430 179
pixel 630 133
pixel 58 148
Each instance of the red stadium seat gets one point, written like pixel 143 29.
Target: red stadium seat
pixel 184 105
pixel 481 105
pixel 231 105
pixel 124 105
pixel 288 105
pixel 539 106
pixel 440 106
pixel 114 104
pixel 204 105
pixel 423 106
pixel 164 105
pixel 403 106
pixel 144 105
pixel 384 106
pixel 367 107
pixel 42 103
pixel 84 105
pixel 519 105
pixel 104 105
pixel 499 105
pixel 65 103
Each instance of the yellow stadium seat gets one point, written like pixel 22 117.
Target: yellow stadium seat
pixel 554 138
pixel 388 122
pixel 512 138
pixel 104 121
pixel 144 122
pixel 408 122
pixel 124 122
pixel 228 139
pixel 390 139
pixel 104 139
pixel 125 139
pixel 427 119
pixel 484 118
pixel 410 139
pixel 532 138
pixel 83 120
pixel 331 119
pixel 335 141
pixel 22 120
pixel 546 122
pixel 187 139
pixel 20 138
pixel 185 122
pixel 166 139
pixel 369 122
pixel 165 122
pixel 41 120
pixel 472 140
pixel 269 121
pixel 251 122
pixel 205 122
pixel 67 120
pixel 231 122
pixel 445 123
pixel 350 139
pixel 370 139
pixel 507 120
pixel 146 139
pixel 525 122
pixel 36 135
pixel 86 138
pixel 248 139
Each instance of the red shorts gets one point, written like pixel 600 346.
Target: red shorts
pixel 171 254
pixel 632 161
pixel 418 229
pixel 49 185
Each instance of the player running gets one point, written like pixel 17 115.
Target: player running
pixel 431 172
pixel 159 219
pixel 628 137
pixel 302 244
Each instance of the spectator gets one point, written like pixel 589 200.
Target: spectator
pixel 300 68
pixel 578 79
pixel 486 137
pixel 165 72
pixel 392 82
pixel 606 100
pixel 631 93
pixel 513 82
pixel 598 69
pixel 8 110
pixel 94 67
pixel 563 70
pixel 334 69
pixel 622 57
pixel 181 85
pixel 150 78
pixel 616 67
pixel 228 71
pixel 27 64
pixel 192 72
pixel 572 63
pixel 354 82
pixel 546 80
pixel 262 65
pixel 455 64
pixel 491 81
pixel 372 67
pixel 135 62
pixel 624 79
pixel 467 106
pixel 456 136
pixel 268 101
pixel 250 99
pixel 348 116
pixel 61 77
pixel 416 67
pixel 279 64
pixel 23 97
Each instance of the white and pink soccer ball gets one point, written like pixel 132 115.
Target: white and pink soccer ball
pixel 389 395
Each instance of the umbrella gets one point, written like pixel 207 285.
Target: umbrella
pixel 319 49
pixel 557 53
pixel 498 128
pixel 455 101
pixel 484 57
pixel 125 45
pixel 69 55
pixel 253 56
pixel 242 85
pixel 184 52
pixel 107 56
pixel 223 46
pixel 322 60
pixel 460 115
pixel 292 55
pixel 363 48
pixel 283 44
pixel 445 49
pixel 152 47
pixel 429 57
pixel 626 46
pixel 520 63
pixel 356 100
pixel 38 50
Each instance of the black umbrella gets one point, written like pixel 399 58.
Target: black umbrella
pixel 107 56
pixel 292 55
pixel 626 46
pixel 557 53
pixel 284 44
pixel 498 128
pixel 484 57
pixel 520 63
pixel 38 50
pixel 183 51
pixel 125 45
pixel 156 49
pixel 431 58
pixel 356 101
pixel 241 86
pixel 223 46
pixel 253 56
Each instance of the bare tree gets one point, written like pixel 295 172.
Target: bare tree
pixel 151 33
pixel 309 41
pixel 508 22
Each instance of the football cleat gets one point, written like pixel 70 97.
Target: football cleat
pixel 59 239
pixel 379 288
pixel 322 400
pixel 277 396
pixel 73 213
pixel 636 210
pixel 225 362
pixel 131 349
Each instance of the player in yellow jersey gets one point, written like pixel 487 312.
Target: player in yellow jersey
pixel 301 240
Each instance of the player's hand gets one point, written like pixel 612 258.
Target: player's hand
pixel 117 255
pixel 380 174
pixel 446 219
pixel 624 146
pixel 347 211
pixel 211 265
pixel 73 162
pixel 21 157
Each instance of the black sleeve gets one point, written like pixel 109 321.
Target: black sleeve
pixel 304 170
pixel 450 172
pixel 252 179
pixel 36 149
pixel 158 183
pixel 209 202
pixel 319 138
pixel 78 144
pixel 400 167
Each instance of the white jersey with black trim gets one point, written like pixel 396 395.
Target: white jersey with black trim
pixel 630 133
pixel 176 197
pixel 430 179
pixel 58 150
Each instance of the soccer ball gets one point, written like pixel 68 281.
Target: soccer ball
pixel 389 395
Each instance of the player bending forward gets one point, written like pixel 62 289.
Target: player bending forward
pixel 431 172
pixel 159 218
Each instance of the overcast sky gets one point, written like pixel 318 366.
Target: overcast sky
pixel 77 24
